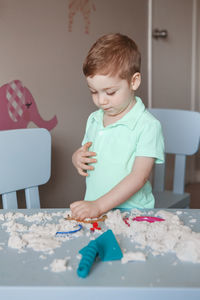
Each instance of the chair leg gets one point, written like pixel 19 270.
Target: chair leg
pixel 159 177
pixel 179 174
pixel 9 200
pixel 32 197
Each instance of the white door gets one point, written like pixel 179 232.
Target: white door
pixel 173 53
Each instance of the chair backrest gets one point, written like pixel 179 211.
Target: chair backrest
pixel 181 129
pixel 25 163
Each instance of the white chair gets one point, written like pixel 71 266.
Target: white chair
pixel 181 131
pixel 25 163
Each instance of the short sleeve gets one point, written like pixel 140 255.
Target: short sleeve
pixel 85 138
pixel 151 141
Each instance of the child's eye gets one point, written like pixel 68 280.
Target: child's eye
pixel 92 92
pixel 111 93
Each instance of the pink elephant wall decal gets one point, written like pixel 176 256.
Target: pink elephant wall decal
pixel 18 108
pixel 85 7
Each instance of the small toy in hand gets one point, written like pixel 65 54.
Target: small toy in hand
pixel 90 221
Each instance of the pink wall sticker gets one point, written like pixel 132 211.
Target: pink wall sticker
pixel 85 7
pixel 18 108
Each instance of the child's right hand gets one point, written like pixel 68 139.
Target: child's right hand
pixel 81 159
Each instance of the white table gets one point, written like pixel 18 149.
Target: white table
pixel 22 276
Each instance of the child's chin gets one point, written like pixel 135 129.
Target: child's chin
pixel 112 113
pixel 109 112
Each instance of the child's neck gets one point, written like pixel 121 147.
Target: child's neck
pixel 109 119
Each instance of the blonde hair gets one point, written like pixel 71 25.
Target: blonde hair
pixel 113 54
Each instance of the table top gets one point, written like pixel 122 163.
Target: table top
pixel 28 274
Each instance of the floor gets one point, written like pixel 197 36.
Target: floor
pixel 194 190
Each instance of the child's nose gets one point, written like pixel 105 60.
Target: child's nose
pixel 103 100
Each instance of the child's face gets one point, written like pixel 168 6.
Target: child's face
pixel 112 94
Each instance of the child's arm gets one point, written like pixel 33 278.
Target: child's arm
pixel 81 159
pixel 131 184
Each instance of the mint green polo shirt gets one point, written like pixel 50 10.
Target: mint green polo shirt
pixel 137 133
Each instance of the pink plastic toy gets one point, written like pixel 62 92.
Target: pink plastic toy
pixel 148 219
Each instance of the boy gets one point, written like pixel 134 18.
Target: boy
pixel 122 139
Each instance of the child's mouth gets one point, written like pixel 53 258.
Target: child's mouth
pixel 105 109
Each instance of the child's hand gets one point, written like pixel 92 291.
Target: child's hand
pixel 81 159
pixel 85 209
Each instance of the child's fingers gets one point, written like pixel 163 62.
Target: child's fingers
pixel 88 160
pixel 75 204
pixel 86 146
pixel 84 166
pixel 80 212
pixel 82 173
pixel 89 153
pixel 85 149
pixel 78 209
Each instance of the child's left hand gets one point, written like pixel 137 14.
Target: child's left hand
pixel 85 209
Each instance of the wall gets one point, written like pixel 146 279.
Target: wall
pixel 197 158
pixel 37 48
pixel 193 162
pixel 198 56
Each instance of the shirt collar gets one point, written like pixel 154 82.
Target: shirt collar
pixel 130 119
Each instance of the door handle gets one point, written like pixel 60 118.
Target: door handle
pixel 163 33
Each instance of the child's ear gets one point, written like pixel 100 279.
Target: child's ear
pixel 135 81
